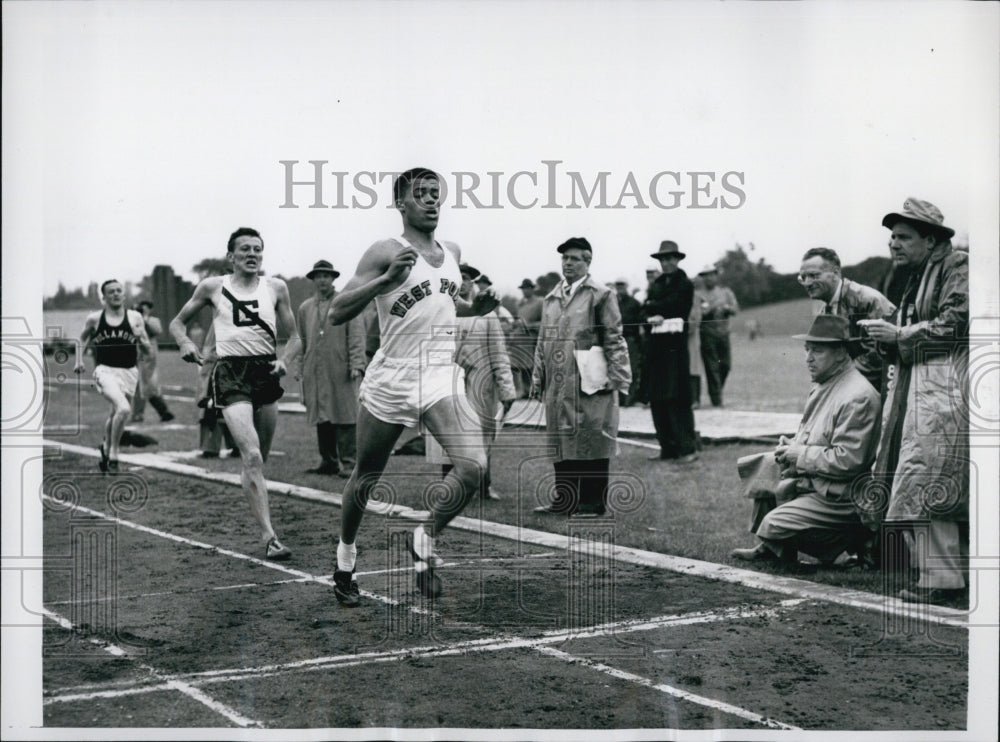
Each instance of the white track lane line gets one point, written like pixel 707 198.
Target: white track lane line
pixel 167 683
pixel 668 689
pixel 492 644
pixel 303 576
pixel 792 586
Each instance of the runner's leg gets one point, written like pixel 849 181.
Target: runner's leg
pixel 453 423
pixel 376 439
pixel 265 420
pixel 240 421
pixel 121 408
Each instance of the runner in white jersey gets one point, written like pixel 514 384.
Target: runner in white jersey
pixel 247 308
pixel 414 281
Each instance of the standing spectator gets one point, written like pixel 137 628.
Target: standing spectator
pixel 924 446
pixel 695 366
pixel 489 385
pixel 642 391
pixel 149 381
pixel 502 313
pixel 631 312
pixel 715 349
pixel 115 334
pixel 581 364
pixel 835 444
pixel 212 426
pixel 820 277
pixel 525 336
pixel 668 367
pixel 333 362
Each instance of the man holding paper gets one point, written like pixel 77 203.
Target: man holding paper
pixel 581 364
pixel 667 307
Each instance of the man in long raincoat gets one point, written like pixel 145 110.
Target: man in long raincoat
pixel 923 453
pixel 333 363
pixel 581 331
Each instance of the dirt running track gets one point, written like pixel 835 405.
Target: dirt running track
pixel 162 614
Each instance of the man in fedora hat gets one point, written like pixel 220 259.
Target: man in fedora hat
pixel 820 276
pixel 834 446
pixel 667 364
pixel 925 428
pixel 718 305
pixel 333 362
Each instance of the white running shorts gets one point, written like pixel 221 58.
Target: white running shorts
pixel 399 391
pixel 112 380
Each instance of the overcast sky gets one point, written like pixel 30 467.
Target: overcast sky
pixel 144 133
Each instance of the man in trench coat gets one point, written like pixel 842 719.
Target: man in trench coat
pixel 581 330
pixel 333 362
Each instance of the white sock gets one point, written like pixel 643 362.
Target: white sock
pixel 423 545
pixel 347 554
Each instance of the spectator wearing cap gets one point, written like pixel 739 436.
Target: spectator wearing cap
pixel 667 367
pixel 696 368
pixel 834 445
pixel 642 392
pixel 719 305
pixel 333 362
pixel 581 365
pixel 820 276
pixel 481 351
pixel 503 314
pixel 525 336
pixel 632 321
pixel 924 446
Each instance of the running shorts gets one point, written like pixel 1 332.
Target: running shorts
pixel 399 391
pixel 245 379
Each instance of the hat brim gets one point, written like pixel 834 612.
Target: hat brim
pixel 831 341
pixel 889 221
pixel 472 273
pixel 679 255
pixel 311 274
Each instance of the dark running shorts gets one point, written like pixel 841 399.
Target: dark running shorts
pixel 245 379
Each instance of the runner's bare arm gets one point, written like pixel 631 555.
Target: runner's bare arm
pixel 139 328
pixel 202 297
pixel 384 266
pixel 286 321
pixel 89 327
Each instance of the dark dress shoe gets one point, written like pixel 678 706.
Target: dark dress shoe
pixel 937 595
pixel 323 469
pixel 550 509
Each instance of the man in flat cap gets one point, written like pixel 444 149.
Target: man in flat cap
pixel 925 428
pixel 667 365
pixel 718 305
pixel 632 321
pixel 333 363
pixel 820 276
pixel 581 365
pixel 834 446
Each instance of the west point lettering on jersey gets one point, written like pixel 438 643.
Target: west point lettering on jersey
pixel 408 299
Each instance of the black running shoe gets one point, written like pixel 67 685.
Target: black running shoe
pixel 345 588
pixel 112 466
pixel 103 463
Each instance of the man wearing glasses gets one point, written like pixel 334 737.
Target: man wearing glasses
pixel 841 297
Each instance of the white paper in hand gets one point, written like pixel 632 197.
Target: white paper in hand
pixel 593 368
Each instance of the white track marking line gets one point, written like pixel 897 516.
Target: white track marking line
pixel 668 689
pixel 303 576
pixel 792 586
pixel 168 683
pixel 491 644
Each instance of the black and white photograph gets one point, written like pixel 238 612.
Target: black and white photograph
pixel 497 370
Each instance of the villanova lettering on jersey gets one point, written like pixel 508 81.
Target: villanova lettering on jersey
pixel 407 299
